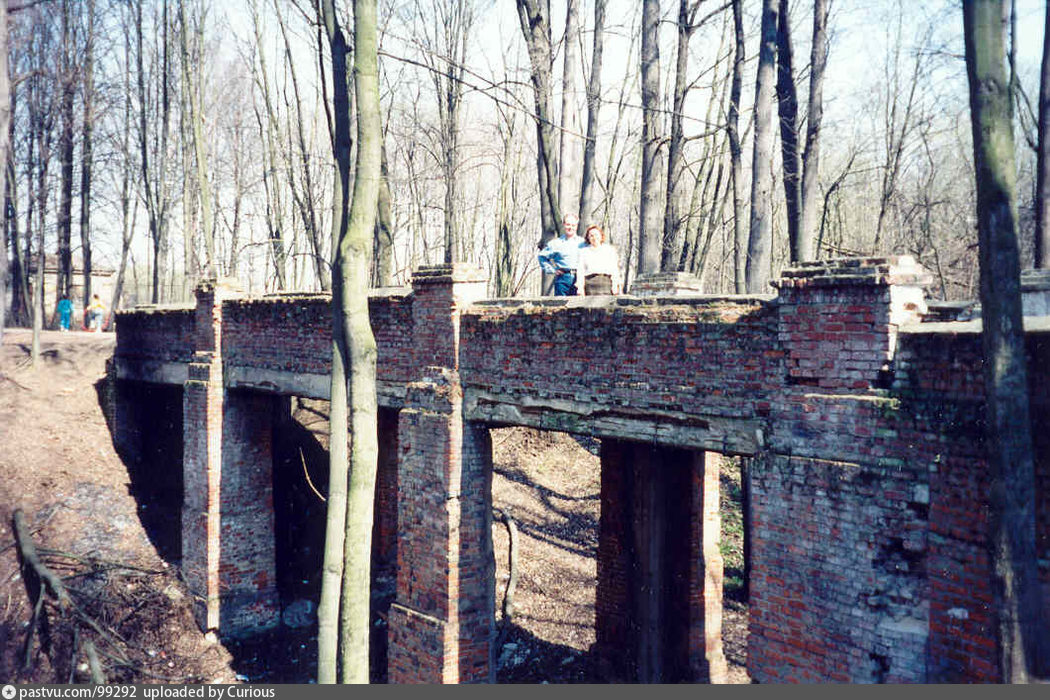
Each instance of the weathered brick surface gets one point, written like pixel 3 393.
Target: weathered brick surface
pixel 864 429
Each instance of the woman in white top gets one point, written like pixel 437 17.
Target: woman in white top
pixel 599 265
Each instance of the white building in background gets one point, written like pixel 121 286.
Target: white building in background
pixel 103 279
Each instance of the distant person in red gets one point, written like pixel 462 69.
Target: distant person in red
pixel 96 311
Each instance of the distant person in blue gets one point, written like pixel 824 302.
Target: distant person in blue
pixel 561 257
pixel 65 314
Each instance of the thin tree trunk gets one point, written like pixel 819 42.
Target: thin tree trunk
pixel 64 281
pixel 305 199
pixel 807 232
pixel 740 232
pixel 128 214
pixel 5 149
pixel 354 255
pixel 354 349
pixel 383 245
pixel 155 192
pixel 1017 602
pixel 594 103
pixel 534 16
pixel 787 107
pixel 652 181
pixel 87 151
pixel 197 132
pixel 503 274
pixel 568 169
pixel 672 242
pixel 338 452
pixel 760 242
pixel 1042 187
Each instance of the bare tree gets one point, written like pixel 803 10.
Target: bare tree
pixel 87 149
pixel 652 177
pixel 534 16
pixel 154 177
pixel 68 79
pixel 900 118
pixel 594 103
pixel 5 149
pixel 740 233
pixel 1042 191
pixel 192 90
pixel 1020 627
pixel 568 168
pixel 811 158
pixel 760 241
pixel 787 108
pixel 445 37
pixel 354 348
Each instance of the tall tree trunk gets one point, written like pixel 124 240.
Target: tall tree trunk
pixel 127 214
pixel 652 182
pixel 760 243
pixel 807 229
pixel 87 150
pixel 503 272
pixel 534 16
pixel 383 245
pixel 64 281
pixel 669 252
pixel 740 232
pixel 354 346
pixel 338 455
pixel 5 149
pixel 268 133
pixel 155 191
pixel 451 22
pixel 787 107
pixel 354 254
pixel 594 103
pixel 305 197
pixel 1020 628
pixel 1042 187
pixel 193 90
pixel 44 133
pixel 568 169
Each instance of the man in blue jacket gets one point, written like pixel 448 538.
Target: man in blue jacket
pixel 561 255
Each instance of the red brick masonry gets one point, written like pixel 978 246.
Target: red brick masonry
pixel 862 423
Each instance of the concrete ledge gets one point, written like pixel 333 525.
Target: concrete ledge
pixel 311 386
pixel 151 371
pixel 729 435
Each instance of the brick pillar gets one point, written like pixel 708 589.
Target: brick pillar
pixel 442 621
pixel 838 319
pixel 228 544
pixel 658 605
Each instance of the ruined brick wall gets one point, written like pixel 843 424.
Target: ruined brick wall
pixel 707 364
pixel 157 333
pixel 864 430
pixel 838 587
pixel 293 333
pixel 941 423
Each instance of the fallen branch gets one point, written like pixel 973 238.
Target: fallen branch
pixel 32 559
pixel 27 660
pixel 107 564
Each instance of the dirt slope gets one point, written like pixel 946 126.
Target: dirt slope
pixel 58 465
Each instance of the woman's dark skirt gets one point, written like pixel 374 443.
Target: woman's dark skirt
pixel 597 284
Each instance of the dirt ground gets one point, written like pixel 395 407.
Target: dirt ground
pixel 59 468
